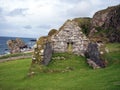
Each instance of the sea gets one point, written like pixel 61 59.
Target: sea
pixel 3 43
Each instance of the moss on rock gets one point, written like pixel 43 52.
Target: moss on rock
pixel 38 58
pixel 107 22
pixel 52 32
pixel 84 23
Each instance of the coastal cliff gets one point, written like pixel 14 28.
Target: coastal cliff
pixel 106 23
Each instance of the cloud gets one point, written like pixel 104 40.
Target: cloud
pixel 28 27
pixel 34 18
pixel 5 26
pixel 2 14
pixel 82 9
pixel 70 1
pixel 18 11
pixel 1 10
pixel 44 26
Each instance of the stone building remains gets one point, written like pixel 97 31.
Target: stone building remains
pixel 70 38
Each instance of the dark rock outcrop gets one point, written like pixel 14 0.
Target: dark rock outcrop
pixel 106 23
pixel 15 46
pixel 93 56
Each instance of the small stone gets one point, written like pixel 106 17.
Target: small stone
pixel 93 64
pixel 101 52
pixel 107 50
pixel 42 51
pixel 33 58
pixel 31 73
pixel 35 46
pixel 36 52
pixel 39 46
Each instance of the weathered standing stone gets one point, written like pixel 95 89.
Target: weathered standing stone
pixel 70 38
pixel 93 55
pixel 47 54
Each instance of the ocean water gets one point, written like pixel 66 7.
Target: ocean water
pixel 4 48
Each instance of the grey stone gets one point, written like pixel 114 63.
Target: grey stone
pixel 47 54
pixel 93 64
pixel 93 55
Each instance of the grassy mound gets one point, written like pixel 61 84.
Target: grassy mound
pixel 69 63
pixel 69 73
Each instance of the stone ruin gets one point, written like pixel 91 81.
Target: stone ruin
pixel 15 46
pixel 70 38
pixel 42 51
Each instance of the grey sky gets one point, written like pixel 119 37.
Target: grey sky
pixel 34 18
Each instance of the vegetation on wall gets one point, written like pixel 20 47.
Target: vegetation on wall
pixel 84 24
pixel 52 32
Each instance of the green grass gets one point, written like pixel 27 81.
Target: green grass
pixel 113 47
pixel 13 74
pixel 14 55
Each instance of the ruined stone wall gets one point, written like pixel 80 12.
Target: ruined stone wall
pixel 70 34
pixel 42 51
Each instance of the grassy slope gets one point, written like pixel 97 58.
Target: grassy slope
pixel 13 74
pixel 15 55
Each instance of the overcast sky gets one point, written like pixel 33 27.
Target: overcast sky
pixel 35 18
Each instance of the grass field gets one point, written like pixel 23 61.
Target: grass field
pixel 15 55
pixel 13 74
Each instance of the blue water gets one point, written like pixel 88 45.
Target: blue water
pixel 4 48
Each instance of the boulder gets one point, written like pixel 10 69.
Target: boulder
pixel 92 64
pixel 93 56
pixel 47 54
pixel 15 46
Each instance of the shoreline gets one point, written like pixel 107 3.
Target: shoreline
pixel 14 58
pixel 23 55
